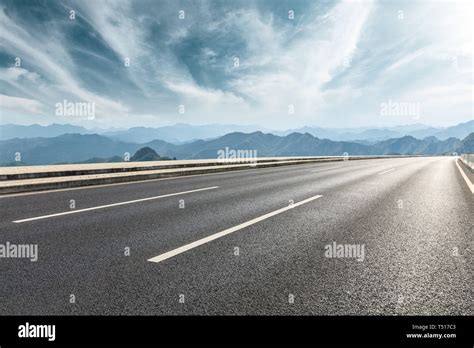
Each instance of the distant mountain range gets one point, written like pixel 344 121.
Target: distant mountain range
pixel 75 148
pixel 179 133
pixel 182 133
pixel 144 154
pixel 11 131
pixel 467 145
pixel 372 135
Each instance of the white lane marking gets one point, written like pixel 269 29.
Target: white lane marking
pixel 355 164
pixel 217 235
pixel 320 170
pixel 386 171
pixel 114 204
pixel 468 182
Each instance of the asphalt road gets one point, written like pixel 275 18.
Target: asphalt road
pixel 413 216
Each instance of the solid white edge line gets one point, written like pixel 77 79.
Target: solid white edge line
pixel 468 182
pixel 113 204
pixel 386 171
pixel 217 235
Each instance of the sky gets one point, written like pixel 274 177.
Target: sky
pixel 276 64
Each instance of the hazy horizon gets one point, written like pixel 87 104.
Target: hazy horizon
pixel 256 126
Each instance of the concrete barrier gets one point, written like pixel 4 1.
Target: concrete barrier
pixel 36 172
pixel 34 178
pixel 468 160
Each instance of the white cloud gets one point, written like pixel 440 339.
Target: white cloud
pixel 21 104
pixel 13 74
pixel 296 72
pixel 48 56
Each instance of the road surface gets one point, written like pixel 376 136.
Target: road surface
pixel 249 242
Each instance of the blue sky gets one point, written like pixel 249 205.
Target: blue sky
pixel 332 65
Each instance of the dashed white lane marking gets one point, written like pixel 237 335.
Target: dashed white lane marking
pixel 386 171
pixel 320 170
pixel 114 204
pixel 217 235
pixel 468 182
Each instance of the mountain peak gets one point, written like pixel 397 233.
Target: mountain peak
pixel 145 154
